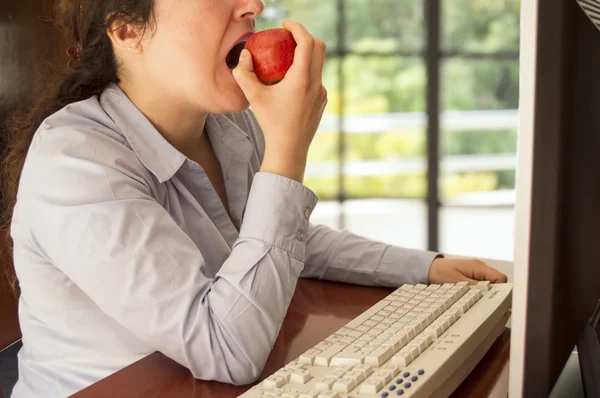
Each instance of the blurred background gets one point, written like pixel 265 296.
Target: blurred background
pixel 417 145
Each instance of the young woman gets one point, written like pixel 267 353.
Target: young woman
pixel 153 211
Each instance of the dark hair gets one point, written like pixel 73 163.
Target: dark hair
pixel 85 23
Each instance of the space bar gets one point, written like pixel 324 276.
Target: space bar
pixel 367 314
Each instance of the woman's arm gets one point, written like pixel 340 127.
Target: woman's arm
pixel 345 257
pixel 88 208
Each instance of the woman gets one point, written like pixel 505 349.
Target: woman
pixel 155 212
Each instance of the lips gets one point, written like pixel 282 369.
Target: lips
pixel 233 56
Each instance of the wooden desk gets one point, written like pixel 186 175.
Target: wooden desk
pixel 317 310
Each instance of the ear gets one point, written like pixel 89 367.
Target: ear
pixel 126 37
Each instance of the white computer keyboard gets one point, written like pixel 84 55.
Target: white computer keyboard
pixel 420 341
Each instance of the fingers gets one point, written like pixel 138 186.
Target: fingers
pixel 245 76
pixel 318 58
pixel 482 272
pixel 305 44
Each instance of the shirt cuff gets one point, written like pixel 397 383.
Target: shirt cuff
pixel 411 265
pixel 278 213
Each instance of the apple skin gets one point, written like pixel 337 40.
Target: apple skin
pixel 272 53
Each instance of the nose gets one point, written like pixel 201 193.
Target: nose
pixel 248 9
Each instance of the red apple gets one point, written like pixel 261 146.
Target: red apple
pixel 272 54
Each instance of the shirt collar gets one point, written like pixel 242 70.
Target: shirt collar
pixel 153 150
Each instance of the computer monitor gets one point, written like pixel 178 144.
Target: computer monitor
pixel 557 239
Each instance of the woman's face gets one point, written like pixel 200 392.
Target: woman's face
pixel 185 54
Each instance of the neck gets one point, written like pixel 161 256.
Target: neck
pixel 177 121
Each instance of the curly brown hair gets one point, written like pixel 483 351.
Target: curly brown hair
pixel 85 23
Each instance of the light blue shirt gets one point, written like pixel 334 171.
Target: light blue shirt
pixel 123 248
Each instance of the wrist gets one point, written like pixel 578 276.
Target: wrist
pixel 287 165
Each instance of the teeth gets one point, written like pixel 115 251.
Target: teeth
pixel 233 57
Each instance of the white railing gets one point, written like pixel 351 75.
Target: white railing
pixel 450 121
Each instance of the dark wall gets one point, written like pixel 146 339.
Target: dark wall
pixel 28 41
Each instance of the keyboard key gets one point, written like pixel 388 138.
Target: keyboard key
pixel 300 377
pixel 402 337
pixel 351 348
pixel 414 351
pixel 309 356
pixel 323 345
pixel 361 329
pixel 391 368
pixel 290 394
pixel 360 343
pixel 373 332
pixel 323 358
pixel 421 371
pixel 354 333
pixel 365 369
pixel 330 394
pixel 347 340
pixel 285 373
pixel 309 394
pixel 333 338
pixel 371 385
pixel 348 358
pixel 369 323
pixel 379 356
pixel 357 376
pixel 402 359
pixel 274 381
pixel 343 331
pixel 338 374
pixel 345 385
pixel 295 365
pixel 385 375
pixel 273 393
pixel 484 286
pixel 395 345
pixel 325 383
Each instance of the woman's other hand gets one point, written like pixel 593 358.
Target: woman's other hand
pixel 452 270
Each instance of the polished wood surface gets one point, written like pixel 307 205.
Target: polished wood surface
pixel 317 310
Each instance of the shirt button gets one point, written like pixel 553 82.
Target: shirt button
pixel 307 212
pixel 301 235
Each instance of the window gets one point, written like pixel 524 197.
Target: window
pixel 417 144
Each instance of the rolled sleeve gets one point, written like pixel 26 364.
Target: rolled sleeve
pixel 278 213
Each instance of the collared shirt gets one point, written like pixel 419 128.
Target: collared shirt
pixel 123 248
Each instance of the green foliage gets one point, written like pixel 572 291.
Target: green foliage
pixel 382 83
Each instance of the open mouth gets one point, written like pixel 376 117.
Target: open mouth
pixel 233 57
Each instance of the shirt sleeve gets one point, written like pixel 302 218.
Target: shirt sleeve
pixel 92 214
pixel 345 257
